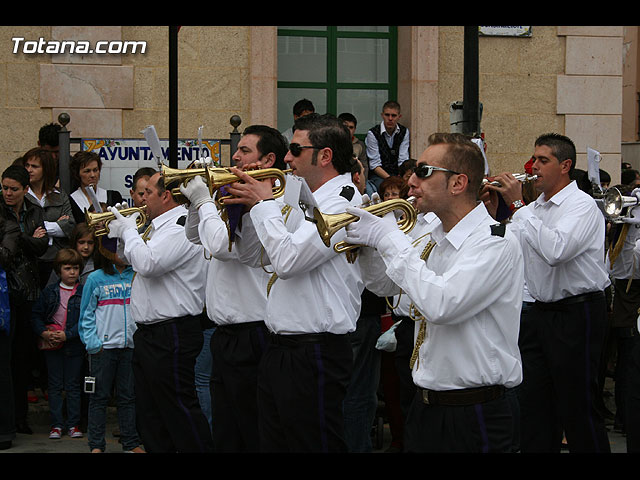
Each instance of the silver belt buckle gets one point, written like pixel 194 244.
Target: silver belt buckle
pixel 425 397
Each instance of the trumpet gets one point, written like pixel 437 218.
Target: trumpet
pixel 329 224
pixel 522 177
pixel 217 177
pixel 99 222
pixel 614 202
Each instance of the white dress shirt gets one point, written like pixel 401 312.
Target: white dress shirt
pixel 562 241
pixel 317 289
pixel 235 293
pixel 373 268
pixel 170 271
pixel 83 202
pixel 469 290
pixel 373 153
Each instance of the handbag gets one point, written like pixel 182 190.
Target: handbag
pixel 5 310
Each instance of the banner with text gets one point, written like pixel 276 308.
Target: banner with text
pixel 121 158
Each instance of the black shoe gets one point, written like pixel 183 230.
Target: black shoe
pixel 5 445
pixel 24 428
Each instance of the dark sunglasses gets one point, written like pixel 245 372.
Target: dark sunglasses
pixel 423 170
pixel 296 148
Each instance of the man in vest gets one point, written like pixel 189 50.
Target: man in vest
pixel 387 144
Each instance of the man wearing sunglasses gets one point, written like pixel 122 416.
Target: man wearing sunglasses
pixel 466 286
pixel 314 296
pixel 240 337
pixel 562 235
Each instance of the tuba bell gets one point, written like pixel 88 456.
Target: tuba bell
pixel 329 224
pixel 99 222
pixel 614 202
pixel 217 177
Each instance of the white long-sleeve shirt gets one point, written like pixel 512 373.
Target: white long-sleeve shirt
pixel 170 271
pixel 317 289
pixel 235 293
pixel 470 292
pixel 562 241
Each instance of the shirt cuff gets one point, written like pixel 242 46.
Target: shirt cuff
pixel 393 243
pixel 265 210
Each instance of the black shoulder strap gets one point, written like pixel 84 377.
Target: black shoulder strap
pixel 498 229
pixel 182 220
pixel 347 192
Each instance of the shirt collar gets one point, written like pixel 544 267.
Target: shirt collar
pixel 384 130
pixel 328 188
pixel 167 216
pixel 461 230
pixel 559 197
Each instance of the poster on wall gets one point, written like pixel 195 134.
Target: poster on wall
pixel 507 31
pixel 121 158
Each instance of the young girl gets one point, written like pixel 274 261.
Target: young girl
pixel 55 319
pixel 83 240
pixel 107 330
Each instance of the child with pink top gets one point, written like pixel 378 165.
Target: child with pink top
pixel 55 318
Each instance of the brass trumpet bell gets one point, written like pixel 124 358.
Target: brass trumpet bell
pixel 329 224
pixel 99 222
pixel 614 203
pixel 217 177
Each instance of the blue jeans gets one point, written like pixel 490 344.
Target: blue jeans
pixel 203 374
pixel 112 367
pixel 361 401
pixel 64 368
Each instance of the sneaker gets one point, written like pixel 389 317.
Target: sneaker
pixel 55 433
pixel 74 432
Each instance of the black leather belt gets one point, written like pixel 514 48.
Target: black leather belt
pixel 235 327
pixel 583 297
pixel 467 396
pixel 297 339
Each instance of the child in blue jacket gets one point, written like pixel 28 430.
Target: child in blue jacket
pixel 107 330
pixel 54 318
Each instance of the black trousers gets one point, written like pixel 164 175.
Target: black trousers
pixel 302 382
pixel 168 414
pixel 561 346
pixel 236 351
pixel 480 428
pixel 633 400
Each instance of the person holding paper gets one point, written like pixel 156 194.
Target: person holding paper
pixel 562 237
pixel 240 336
pixel 314 296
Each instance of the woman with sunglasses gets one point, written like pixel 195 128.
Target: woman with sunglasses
pixel 466 289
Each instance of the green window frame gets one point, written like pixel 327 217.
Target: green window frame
pixel 332 87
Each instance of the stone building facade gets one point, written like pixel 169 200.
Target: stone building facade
pixel 563 79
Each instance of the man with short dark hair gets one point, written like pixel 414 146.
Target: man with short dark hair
pixel 466 287
pixel 167 302
pixel 387 144
pixel 314 298
pixel 562 236
pixel 48 138
pixel 300 109
pixel 240 337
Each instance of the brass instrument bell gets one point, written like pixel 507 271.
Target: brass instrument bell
pixel 614 203
pixel 99 222
pixel 328 224
pixel 216 177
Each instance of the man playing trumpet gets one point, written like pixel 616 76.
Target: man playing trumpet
pixel 466 286
pixel 315 300
pixel 240 337
pixel 562 237
pixel 167 300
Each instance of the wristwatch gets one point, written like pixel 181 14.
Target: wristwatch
pixel 516 205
